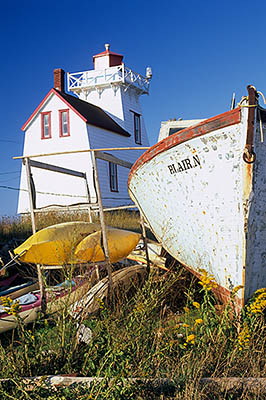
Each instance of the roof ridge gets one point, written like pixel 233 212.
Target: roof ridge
pixel 113 126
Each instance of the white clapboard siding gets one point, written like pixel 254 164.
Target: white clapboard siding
pixel 99 138
pixel 51 182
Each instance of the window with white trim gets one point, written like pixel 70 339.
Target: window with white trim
pixel 113 177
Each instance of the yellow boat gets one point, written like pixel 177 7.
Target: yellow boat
pixel 120 244
pixel 75 242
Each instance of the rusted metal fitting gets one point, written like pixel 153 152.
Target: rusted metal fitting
pixel 249 156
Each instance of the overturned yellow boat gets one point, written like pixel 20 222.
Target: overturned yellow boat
pixel 74 243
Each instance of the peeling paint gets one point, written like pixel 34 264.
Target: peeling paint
pixel 209 216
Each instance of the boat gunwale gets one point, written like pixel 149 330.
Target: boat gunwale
pixel 220 121
pixel 58 295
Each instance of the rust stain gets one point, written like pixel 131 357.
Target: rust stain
pixel 247 187
pixel 248 170
pixel 249 156
pixel 222 294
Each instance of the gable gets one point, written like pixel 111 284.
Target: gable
pixel 89 113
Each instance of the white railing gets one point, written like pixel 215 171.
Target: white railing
pixel 106 77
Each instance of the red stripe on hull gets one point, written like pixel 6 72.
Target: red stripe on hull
pixel 220 121
pixel 221 293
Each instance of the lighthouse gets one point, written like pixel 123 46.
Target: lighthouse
pixel 103 112
pixel 116 89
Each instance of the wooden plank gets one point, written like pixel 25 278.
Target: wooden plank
pixel 28 173
pixel 120 208
pixel 81 151
pixel 233 385
pixel 113 159
pixel 145 242
pixel 104 232
pixel 40 276
pixel 55 168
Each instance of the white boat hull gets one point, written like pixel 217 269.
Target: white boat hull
pixel 205 204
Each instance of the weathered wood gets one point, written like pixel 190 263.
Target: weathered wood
pixel 234 384
pixel 119 208
pixel 208 385
pixel 145 243
pixel 123 277
pixel 28 172
pixel 39 271
pixel 55 168
pixel 113 159
pixel 104 232
pixel 81 151
pixel 88 197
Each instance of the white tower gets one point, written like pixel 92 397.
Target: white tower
pixel 116 89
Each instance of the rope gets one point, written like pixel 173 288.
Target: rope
pixel 262 96
pixel 246 98
pixel 261 128
pixel 11 262
pixel 248 105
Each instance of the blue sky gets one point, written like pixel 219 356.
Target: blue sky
pixel 200 53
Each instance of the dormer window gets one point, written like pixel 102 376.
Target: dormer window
pixel 137 129
pixel 64 123
pixel 46 125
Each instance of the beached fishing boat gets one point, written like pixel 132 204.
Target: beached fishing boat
pixel 123 280
pixel 202 191
pixel 75 242
pixel 16 286
pixel 57 297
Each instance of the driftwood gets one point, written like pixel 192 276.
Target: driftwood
pixel 208 385
pixel 234 385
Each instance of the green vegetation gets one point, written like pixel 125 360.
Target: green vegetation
pixel 166 327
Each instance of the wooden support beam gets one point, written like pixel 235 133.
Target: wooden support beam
pixel 28 173
pixel 104 232
pixel 61 170
pixel 113 159
pixel 39 271
pixel 88 197
pixel 81 151
pixel 55 168
pixel 120 208
pixel 145 242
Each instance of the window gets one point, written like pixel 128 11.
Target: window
pixel 113 177
pixel 137 130
pixel 46 125
pixel 64 123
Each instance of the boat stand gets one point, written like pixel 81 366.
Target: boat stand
pixel 96 154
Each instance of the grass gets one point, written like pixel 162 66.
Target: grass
pixel 167 327
pixel 20 227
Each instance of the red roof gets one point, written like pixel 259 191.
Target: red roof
pixel 106 52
